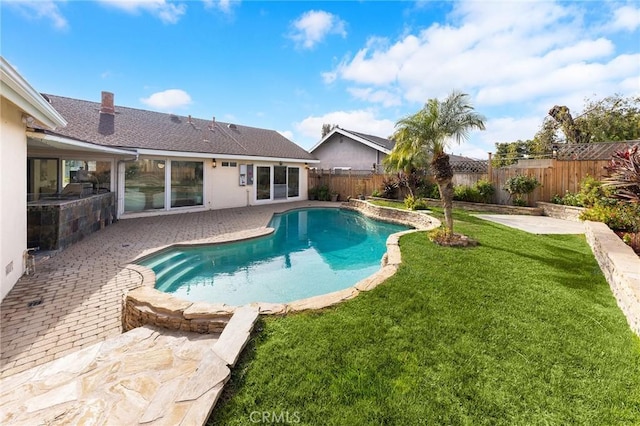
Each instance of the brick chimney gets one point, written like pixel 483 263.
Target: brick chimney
pixel 107 107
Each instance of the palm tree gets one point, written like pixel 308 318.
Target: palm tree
pixel 428 132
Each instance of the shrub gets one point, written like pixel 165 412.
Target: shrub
pixel 376 193
pixel 481 192
pixel 413 203
pixel 409 201
pixel 389 187
pixel 486 190
pixel 427 190
pixel 624 172
pixel 592 193
pixel 466 193
pixel 619 217
pixel 324 194
pixel 520 185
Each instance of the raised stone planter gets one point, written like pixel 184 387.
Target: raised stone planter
pixel 621 268
pixel 560 211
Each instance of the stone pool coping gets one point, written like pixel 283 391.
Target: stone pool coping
pixel 145 305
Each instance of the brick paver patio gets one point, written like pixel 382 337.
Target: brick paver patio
pixel 74 299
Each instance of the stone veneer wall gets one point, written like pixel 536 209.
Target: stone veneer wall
pixel 148 306
pixel 560 211
pixel 56 224
pixel 621 267
pixel 416 219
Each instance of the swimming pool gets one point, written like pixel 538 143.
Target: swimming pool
pixel 312 252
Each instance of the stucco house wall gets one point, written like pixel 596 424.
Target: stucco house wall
pixel 20 105
pixel 341 151
pixel 13 198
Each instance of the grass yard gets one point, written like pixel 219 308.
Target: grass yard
pixel 522 329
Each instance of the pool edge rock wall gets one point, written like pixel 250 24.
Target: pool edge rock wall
pixel 148 306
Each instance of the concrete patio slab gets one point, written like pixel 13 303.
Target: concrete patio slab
pixel 536 224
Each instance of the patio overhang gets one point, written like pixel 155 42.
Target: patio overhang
pixel 44 141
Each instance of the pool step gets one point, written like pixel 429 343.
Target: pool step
pixel 172 267
pixel 166 257
pixel 185 270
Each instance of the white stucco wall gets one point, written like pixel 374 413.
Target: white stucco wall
pixel 222 189
pixel 348 153
pixel 13 196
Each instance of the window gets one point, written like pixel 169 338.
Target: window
pixel 98 173
pixel 263 183
pixel 186 183
pixel 293 182
pixel 144 186
pixel 229 164
pixel 42 178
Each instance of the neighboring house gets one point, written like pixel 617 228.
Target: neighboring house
pixel 346 149
pixel 21 105
pixel 343 149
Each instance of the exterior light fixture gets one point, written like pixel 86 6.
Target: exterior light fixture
pixel 213 163
pixel 306 166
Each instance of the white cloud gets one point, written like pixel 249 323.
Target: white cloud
pixel 364 121
pixel 626 18
pixel 42 10
pixel 225 6
pixel 502 53
pixel 383 97
pixel 169 13
pixel 168 99
pixel 313 26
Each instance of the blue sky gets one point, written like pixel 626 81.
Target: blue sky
pixel 294 65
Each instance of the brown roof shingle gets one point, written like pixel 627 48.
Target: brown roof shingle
pixel 137 128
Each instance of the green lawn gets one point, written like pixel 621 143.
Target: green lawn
pixel 522 329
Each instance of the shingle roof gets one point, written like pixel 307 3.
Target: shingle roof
pixel 384 143
pixel 136 128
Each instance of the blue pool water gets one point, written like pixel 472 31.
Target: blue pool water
pixel 311 252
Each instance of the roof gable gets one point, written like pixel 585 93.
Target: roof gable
pixel 142 129
pixel 379 144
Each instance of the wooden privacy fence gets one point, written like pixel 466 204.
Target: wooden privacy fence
pixel 347 183
pixel 555 177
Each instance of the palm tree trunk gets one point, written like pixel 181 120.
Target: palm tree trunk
pixel 445 186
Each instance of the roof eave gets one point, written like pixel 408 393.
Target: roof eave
pixel 74 143
pixel 165 153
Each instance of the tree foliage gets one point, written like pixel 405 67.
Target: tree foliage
pixel 327 128
pixel 425 135
pixel 611 119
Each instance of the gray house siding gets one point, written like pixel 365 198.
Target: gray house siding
pixel 341 151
